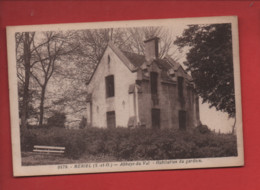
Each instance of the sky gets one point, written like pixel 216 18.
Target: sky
pixel 215 120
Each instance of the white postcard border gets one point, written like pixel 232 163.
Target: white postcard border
pixel 19 170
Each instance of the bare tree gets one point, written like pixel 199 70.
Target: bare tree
pixel 48 54
pixel 138 35
pixel 23 58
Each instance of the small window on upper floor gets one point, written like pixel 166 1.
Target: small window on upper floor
pixel 180 86
pixel 110 86
pixel 108 59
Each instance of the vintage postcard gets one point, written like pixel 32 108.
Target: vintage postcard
pixel 125 96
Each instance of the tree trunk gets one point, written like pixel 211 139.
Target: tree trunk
pixel 233 127
pixel 42 104
pixel 27 57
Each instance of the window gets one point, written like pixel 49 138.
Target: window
pixel 154 83
pixel 110 88
pixel 154 87
pixel 111 119
pixel 108 61
pixel 180 86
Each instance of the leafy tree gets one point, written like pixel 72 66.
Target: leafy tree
pixel 210 61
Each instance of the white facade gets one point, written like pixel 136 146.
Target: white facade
pixel 121 103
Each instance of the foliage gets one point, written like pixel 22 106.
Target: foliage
pixel 133 144
pixel 58 119
pixel 210 61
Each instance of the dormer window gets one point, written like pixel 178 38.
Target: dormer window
pixel 110 86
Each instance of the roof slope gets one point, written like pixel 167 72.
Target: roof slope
pixel 136 59
pixel 165 63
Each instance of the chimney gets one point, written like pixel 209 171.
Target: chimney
pixel 151 49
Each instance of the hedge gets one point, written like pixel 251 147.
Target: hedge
pixel 133 144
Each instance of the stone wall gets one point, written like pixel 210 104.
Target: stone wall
pixel 169 103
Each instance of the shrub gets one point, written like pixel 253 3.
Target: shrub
pixel 203 129
pixel 57 120
pixel 74 146
pixel 28 140
pixel 83 123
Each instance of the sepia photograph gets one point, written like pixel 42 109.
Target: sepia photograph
pixel 125 96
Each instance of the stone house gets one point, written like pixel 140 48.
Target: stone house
pixel 131 90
